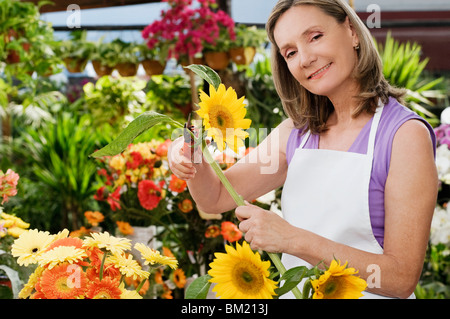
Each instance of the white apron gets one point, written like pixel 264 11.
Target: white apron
pixel 327 192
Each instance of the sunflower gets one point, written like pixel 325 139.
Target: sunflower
pixel 223 115
pixel 104 240
pixel 62 282
pixel 30 245
pixel 338 282
pixel 153 257
pixel 241 274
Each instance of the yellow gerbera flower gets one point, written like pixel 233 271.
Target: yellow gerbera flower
pixel 30 245
pixel 153 257
pixel 128 266
pixel 61 254
pixel 241 274
pixel 223 115
pixel 32 280
pixel 338 282
pixel 104 240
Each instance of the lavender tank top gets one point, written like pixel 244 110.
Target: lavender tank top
pixel 393 116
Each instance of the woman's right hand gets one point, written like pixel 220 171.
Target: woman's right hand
pixel 179 164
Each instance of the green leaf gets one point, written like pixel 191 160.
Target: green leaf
pixel 138 126
pixel 199 288
pixel 292 278
pixel 206 73
pixel 14 278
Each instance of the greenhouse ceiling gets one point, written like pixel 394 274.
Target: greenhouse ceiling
pixel 61 5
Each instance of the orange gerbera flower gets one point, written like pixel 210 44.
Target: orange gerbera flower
pixel 230 232
pixel 158 276
pixel 186 205
pixel 108 288
pixel 62 282
pixel 94 218
pixel 69 241
pixel 212 231
pixel 177 185
pixel 179 278
pixel 125 228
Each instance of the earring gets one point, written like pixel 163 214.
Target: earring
pixel 356 47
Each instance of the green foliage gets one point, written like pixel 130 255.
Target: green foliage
pixel 264 108
pixel 59 156
pixel 111 99
pixel 249 36
pixel 403 66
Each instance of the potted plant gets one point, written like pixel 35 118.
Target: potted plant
pixel 104 58
pixel 248 39
pixel 127 57
pixel 216 53
pixel 153 60
pixel 76 52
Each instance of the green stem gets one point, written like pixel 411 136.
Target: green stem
pixel 101 267
pixel 240 202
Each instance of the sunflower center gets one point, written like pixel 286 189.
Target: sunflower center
pixel 248 278
pixel 330 287
pixel 221 118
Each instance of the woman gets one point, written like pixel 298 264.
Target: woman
pixel 357 168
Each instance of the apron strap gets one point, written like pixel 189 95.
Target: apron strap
pixel 305 139
pixel 374 129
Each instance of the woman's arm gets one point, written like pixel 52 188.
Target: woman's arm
pixel 259 172
pixel 410 198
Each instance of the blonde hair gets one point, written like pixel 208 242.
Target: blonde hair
pixel 309 110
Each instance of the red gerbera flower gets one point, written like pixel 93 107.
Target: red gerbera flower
pixel 149 194
pixel 230 232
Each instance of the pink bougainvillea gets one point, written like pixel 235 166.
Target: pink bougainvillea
pixel 187 29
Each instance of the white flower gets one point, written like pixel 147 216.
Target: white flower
pixel 445 116
pixel 443 163
pixel 440 226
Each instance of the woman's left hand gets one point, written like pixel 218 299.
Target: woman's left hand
pixel 263 229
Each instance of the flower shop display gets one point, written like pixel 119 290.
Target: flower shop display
pixel 91 268
pixel 138 191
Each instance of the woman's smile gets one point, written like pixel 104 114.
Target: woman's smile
pixel 319 73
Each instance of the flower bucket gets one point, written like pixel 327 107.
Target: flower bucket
pixel 217 60
pixel 101 69
pixel 127 68
pixel 153 67
pixel 243 56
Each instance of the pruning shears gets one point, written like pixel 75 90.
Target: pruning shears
pixel 189 143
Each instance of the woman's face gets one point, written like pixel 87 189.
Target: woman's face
pixel 318 50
